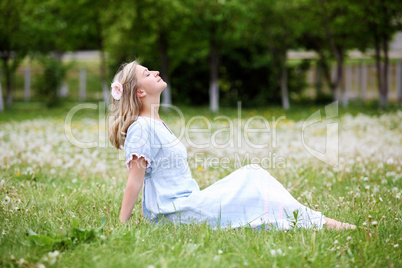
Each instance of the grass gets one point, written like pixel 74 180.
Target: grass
pixel 22 110
pixel 61 210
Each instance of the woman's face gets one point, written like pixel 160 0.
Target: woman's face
pixel 149 81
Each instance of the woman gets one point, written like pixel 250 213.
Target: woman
pixel 157 161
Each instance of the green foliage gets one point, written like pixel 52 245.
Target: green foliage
pixel 50 81
pixel 61 242
pixel 176 36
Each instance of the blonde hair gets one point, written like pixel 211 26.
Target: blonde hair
pixel 125 111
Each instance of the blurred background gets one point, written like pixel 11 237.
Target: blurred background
pixel 212 53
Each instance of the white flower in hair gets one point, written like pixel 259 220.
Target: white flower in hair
pixel 117 90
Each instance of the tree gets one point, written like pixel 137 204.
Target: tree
pixel 74 26
pixel 383 18
pixel 331 28
pixel 211 23
pixel 279 27
pixel 13 43
pixel 161 19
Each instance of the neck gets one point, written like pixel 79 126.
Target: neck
pixel 150 108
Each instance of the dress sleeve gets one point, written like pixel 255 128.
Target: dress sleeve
pixel 138 142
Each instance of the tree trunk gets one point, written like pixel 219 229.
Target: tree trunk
pixel 384 90
pixel 10 65
pixel 164 61
pixel 318 79
pixel 284 85
pixel 380 73
pixel 326 70
pixel 1 96
pixel 213 85
pixel 339 85
pixel 7 76
pixel 27 84
pixel 338 52
pixel 102 67
pixel 105 88
pixel 7 72
pixel 348 88
pixel 399 81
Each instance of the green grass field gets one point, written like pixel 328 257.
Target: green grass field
pixel 60 203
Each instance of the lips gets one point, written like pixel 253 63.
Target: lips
pixel 160 78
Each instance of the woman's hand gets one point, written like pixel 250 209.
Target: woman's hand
pixel 133 187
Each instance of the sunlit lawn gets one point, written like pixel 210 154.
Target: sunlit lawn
pixel 55 196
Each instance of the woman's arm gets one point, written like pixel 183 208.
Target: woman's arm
pixel 133 187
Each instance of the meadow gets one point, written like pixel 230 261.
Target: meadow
pixel 60 202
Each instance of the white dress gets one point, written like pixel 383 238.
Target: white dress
pixel 248 197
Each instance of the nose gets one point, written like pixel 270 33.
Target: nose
pixel 156 73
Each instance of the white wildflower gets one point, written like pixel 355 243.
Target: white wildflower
pixel 7 200
pixel 273 252
pixel 53 254
pixel 390 174
pixel 20 262
pixel 52 261
pixel 220 251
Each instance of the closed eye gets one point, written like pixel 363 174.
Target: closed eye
pixel 147 72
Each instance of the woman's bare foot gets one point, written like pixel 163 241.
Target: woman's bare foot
pixel 337 225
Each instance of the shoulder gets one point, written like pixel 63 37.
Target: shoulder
pixel 139 126
pixel 141 131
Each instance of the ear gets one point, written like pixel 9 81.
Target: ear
pixel 141 93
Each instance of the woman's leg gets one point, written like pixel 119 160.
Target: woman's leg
pixel 337 225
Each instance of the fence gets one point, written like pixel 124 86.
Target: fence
pixel 361 81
